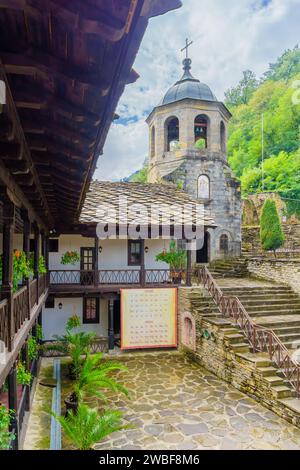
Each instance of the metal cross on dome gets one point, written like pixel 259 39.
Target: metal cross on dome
pixel 187 45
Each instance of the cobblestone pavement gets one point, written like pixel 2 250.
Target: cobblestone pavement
pixel 177 405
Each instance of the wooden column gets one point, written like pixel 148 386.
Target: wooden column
pixel 25 360
pixel 111 331
pixel 26 233
pixel 26 249
pixel 36 257
pixel 96 261
pixel 143 271
pixel 47 252
pixel 189 268
pixel 7 265
pixel 13 403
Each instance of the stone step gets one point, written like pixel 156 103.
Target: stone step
pixel 240 347
pixel 268 371
pixel 253 302
pixel 260 289
pixel 269 297
pixel 268 323
pixel 282 391
pixel 286 330
pixel 294 336
pixel 274 380
pixel 236 338
pixel 264 312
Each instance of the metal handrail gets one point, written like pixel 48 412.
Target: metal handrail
pixel 260 338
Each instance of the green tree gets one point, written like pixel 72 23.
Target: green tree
pixel 271 234
pixel 242 93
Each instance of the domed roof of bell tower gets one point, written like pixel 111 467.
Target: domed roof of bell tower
pixel 188 87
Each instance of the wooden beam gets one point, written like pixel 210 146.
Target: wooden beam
pixel 35 63
pixel 77 15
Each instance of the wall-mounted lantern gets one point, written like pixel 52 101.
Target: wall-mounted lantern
pixel 60 305
pixel 146 249
pixel 100 249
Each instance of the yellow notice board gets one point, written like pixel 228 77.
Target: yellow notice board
pixel 148 318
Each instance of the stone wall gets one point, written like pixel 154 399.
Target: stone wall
pixel 215 352
pixel 251 240
pixel 285 271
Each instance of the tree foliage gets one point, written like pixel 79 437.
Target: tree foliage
pixel 272 97
pixel 271 234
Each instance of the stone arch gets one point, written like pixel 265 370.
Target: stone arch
pixel 152 142
pixel 188 331
pixel 203 187
pixel 172 132
pixel 223 137
pixel 201 130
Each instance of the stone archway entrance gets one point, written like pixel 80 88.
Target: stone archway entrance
pixel 203 254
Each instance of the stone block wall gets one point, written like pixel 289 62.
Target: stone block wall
pixel 251 240
pixel 215 352
pixel 285 271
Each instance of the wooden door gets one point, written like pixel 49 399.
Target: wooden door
pixel 87 265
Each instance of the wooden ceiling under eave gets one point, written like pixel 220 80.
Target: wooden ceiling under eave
pixel 65 64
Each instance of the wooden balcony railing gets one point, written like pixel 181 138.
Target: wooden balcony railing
pixel 20 307
pixel 260 339
pixel 117 277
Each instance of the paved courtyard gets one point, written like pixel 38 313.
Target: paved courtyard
pixel 177 405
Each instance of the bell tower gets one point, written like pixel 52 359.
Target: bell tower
pixel 188 147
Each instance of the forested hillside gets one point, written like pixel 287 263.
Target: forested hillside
pixel 272 96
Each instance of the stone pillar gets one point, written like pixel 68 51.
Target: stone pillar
pixel 13 404
pixel 111 331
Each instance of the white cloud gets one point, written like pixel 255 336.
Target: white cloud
pixel 229 37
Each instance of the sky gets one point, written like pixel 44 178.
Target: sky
pixel 229 37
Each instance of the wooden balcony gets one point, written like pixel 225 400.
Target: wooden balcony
pixel 76 281
pixel 17 316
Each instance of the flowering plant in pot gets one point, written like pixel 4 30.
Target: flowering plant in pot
pixel 176 259
pixel 21 268
pixel 70 257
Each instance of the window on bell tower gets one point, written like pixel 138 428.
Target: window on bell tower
pixel 172 134
pixel 201 132
pixel 223 137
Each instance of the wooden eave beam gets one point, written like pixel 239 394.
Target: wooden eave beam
pixel 76 15
pixel 34 63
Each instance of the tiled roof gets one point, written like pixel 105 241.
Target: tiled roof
pixel 161 202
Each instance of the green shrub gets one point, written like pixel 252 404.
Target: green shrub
pixel 271 234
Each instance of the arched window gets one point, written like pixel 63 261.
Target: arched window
pixel 201 131
pixel 203 187
pixel 224 244
pixel 172 134
pixel 152 144
pixel 223 137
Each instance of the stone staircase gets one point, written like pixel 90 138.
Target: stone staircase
pixel 275 306
pixel 233 268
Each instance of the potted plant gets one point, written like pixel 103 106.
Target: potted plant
pixel 87 427
pixel 5 435
pixel 70 257
pixel 94 376
pixel 77 345
pixel 21 268
pixel 176 259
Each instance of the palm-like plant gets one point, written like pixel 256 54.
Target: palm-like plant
pixel 95 376
pixel 87 426
pixel 74 345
